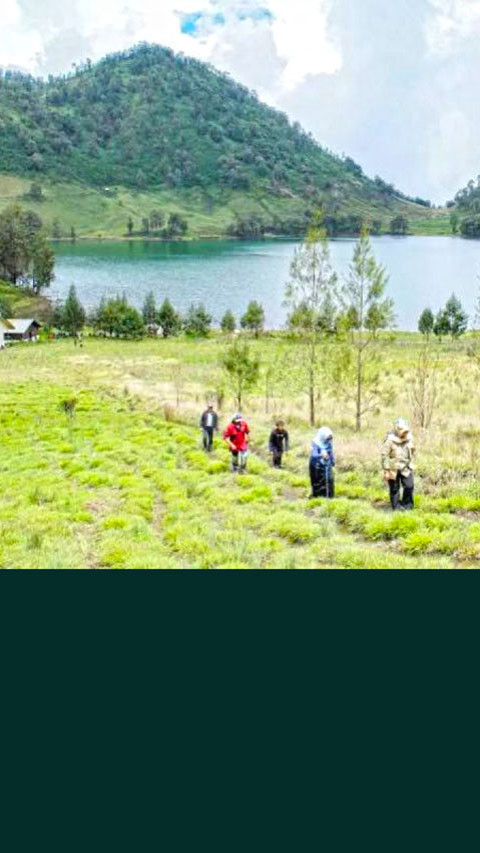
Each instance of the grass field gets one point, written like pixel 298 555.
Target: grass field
pixel 95 214
pixel 23 302
pixel 121 482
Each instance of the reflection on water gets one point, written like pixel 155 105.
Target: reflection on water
pixel 423 271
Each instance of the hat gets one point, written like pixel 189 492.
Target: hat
pixel 237 417
pixel 401 426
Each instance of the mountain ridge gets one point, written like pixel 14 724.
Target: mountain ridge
pixel 155 122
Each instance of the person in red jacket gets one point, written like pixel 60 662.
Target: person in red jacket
pixel 237 437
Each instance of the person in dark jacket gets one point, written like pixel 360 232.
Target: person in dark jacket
pixel 279 444
pixel 322 463
pixel 209 425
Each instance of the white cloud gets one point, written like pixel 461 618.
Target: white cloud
pixel 302 39
pixel 297 30
pixel 451 22
pixel 18 41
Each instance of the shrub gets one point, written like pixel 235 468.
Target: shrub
pixel 119 319
pixel 418 543
pixel 292 527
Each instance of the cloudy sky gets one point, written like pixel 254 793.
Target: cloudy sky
pixel 392 83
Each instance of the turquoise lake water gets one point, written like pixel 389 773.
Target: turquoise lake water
pixel 423 272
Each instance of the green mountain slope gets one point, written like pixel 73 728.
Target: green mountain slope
pixel 465 210
pixel 178 132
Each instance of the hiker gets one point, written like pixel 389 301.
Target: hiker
pixel 237 437
pixel 397 463
pixel 209 425
pixel 279 443
pixel 322 463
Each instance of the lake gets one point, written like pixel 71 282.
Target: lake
pixel 424 271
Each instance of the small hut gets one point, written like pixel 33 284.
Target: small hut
pixel 22 330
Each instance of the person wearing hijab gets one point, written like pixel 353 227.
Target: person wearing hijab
pixel 398 466
pixel 322 463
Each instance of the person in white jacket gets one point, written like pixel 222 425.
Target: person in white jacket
pixel 398 466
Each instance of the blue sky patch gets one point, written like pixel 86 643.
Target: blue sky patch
pixel 190 23
pixel 259 14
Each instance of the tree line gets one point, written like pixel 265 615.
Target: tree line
pixel 450 321
pixel 256 227
pixel 157 224
pixel 117 318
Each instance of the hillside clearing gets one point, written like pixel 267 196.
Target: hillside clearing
pixel 209 213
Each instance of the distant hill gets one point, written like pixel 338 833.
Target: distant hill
pixel 465 210
pixel 175 130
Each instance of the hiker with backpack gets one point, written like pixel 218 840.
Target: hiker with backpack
pixel 237 437
pixel 322 463
pixel 209 426
pixel 279 444
pixel 398 466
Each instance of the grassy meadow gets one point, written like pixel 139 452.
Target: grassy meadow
pixel 23 302
pixel 95 214
pixel 101 464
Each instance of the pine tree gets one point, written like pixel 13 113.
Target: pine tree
pixel 441 326
pixel 227 323
pixel 197 322
pixel 242 369
pixel 426 322
pixel 367 312
pixel 457 318
pixel 254 318
pixel 73 313
pixel 311 287
pixel 169 320
pixel 149 310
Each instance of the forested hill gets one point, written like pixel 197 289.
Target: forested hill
pixel 148 119
pixel 465 210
